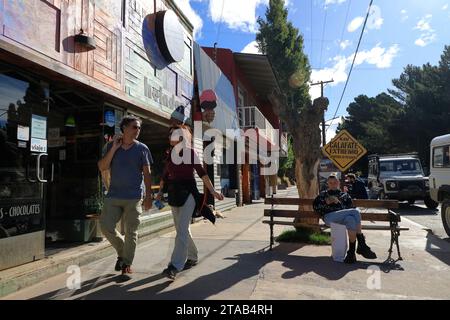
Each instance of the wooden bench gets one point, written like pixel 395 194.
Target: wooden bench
pixel 280 216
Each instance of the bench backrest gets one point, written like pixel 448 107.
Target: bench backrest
pixel 309 213
pixel 384 204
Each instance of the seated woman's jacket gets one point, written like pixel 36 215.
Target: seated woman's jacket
pixel 321 207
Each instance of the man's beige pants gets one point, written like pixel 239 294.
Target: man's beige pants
pixel 129 211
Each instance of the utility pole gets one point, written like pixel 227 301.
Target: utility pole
pixel 322 83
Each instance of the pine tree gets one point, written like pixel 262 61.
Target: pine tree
pixel 283 45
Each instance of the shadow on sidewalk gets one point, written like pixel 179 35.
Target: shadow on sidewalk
pixel 439 248
pixel 248 266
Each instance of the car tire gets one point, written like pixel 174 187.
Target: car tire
pixel 445 214
pixel 430 203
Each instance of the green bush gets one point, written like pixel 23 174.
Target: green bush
pixel 304 235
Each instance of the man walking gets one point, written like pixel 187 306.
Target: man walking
pixel 129 163
pixel 336 206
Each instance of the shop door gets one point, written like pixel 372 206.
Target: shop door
pixel 23 150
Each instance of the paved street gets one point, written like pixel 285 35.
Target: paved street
pixel 431 219
pixel 235 264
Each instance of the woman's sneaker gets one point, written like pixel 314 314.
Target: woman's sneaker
pixel 170 272
pixel 189 264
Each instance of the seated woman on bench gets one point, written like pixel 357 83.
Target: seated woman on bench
pixel 336 206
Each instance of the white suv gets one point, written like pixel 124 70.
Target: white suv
pixel 440 176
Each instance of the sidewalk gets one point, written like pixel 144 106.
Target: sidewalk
pixel 235 264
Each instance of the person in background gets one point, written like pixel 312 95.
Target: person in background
pixel 178 179
pixel 356 188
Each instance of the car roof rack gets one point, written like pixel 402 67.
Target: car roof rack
pixel 396 155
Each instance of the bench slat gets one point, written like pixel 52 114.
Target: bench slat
pixel 280 213
pixel 324 226
pixel 387 204
pixel 289 201
pixel 366 227
pixel 366 216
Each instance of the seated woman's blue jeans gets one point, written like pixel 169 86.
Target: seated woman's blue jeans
pixel 351 218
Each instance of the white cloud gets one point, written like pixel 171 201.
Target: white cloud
pixel 328 2
pixel 404 15
pixel 345 44
pixel 377 23
pixel 193 17
pixel 378 56
pixel 428 34
pixel 374 20
pixel 424 23
pixel 355 24
pixel 445 7
pixel 240 15
pixel 251 48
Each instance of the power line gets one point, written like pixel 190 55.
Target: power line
pixel 220 22
pixel 354 58
pixel 323 35
pixel 311 21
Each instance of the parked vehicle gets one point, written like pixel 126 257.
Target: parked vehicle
pixel 440 176
pixel 399 177
pixel 326 168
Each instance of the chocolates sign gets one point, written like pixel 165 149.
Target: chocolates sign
pixel 16 211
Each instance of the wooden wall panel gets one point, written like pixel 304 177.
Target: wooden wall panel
pixel 37 26
pixel 107 58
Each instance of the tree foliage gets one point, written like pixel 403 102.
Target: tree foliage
pixel 283 44
pixel 410 116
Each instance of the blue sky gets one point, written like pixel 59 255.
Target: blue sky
pixel 398 33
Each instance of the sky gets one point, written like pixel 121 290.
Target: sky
pixel 398 33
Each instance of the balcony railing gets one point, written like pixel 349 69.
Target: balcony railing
pixel 251 117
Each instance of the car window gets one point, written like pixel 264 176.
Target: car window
pixel 400 166
pixel 441 157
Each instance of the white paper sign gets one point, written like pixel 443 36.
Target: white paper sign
pixel 38 145
pixel 38 127
pixel 23 133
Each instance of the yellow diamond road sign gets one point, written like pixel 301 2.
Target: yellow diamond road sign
pixel 344 150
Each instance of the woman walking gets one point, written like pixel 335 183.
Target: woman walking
pixel 184 197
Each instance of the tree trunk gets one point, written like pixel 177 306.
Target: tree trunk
pixel 305 130
pixel 307 189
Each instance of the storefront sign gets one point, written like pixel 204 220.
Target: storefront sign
pixel 23 133
pixel 38 145
pixel 162 34
pixel 160 96
pixel 38 127
pixel 19 211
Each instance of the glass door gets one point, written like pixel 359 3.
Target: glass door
pixel 23 150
